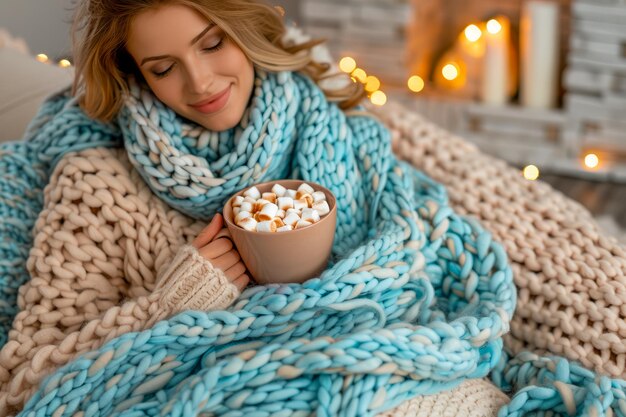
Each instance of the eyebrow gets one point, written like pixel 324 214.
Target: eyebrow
pixel 193 41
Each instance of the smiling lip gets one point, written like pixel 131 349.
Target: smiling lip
pixel 214 104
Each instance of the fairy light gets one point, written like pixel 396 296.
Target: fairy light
pixel 494 27
pixel 591 160
pixel 450 72
pixel 372 84
pixel 42 57
pixel 347 64
pixel 473 33
pixel 378 98
pixel 359 75
pixel 416 83
pixel 531 172
pixel 64 63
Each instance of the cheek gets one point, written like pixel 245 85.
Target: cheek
pixel 166 90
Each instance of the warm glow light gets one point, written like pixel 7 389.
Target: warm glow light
pixel 493 26
pixel 592 160
pixel 64 63
pixel 473 33
pixel 372 84
pixel 378 98
pixel 42 57
pixel 416 83
pixel 450 72
pixel 531 172
pixel 359 74
pixel 347 64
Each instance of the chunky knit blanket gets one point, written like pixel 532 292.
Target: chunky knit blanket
pixel 415 299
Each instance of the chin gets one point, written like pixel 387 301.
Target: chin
pixel 220 123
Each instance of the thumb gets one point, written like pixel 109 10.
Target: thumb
pixel 208 233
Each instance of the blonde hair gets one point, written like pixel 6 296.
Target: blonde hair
pixel 102 64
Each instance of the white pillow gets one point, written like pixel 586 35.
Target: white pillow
pixel 24 84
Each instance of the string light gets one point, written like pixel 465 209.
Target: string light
pixel 591 160
pixel 64 63
pixel 531 172
pixel 347 64
pixel 378 98
pixel 473 33
pixel 372 84
pixel 494 27
pixel 359 75
pixel 416 83
pixel 450 71
pixel 42 57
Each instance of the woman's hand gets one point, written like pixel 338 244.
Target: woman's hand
pixel 214 245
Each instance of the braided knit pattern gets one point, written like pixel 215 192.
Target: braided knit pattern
pixel 415 300
pixel 101 238
pixel 25 167
pixel 380 338
pixel 571 279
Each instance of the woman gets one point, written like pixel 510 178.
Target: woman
pixel 207 99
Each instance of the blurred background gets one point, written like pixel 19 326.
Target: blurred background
pixel 539 83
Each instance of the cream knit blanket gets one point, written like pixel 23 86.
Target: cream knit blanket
pixel 104 242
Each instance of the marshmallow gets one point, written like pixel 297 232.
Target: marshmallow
pixel 236 210
pixel 300 204
pixel 310 215
pixel 281 213
pixel 248 223
pixel 305 188
pixel 308 198
pixel 247 206
pixel 237 201
pixel 318 196
pixel 279 190
pixel 242 215
pixel 278 221
pixel 293 210
pixel 271 197
pixel 302 223
pixel 259 204
pixel 290 193
pixel 291 219
pixel 321 207
pixel 285 228
pixel 268 212
pixel 266 226
pixel 285 203
pixel 252 192
pixel 249 199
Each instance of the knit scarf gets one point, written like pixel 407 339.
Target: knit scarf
pixel 414 301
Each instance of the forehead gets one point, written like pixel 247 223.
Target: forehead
pixel 164 28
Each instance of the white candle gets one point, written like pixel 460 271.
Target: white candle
pixel 496 75
pixel 540 53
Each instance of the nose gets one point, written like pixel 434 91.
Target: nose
pixel 199 78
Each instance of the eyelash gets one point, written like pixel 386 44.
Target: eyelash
pixel 215 48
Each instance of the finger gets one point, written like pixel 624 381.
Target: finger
pixel 235 271
pixel 241 282
pixel 208 233
pixel 223 233
pixel 227 260
pixel 215 249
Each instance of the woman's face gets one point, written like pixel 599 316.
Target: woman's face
pixel 191 65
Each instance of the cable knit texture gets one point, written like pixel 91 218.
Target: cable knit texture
pixel 99 243
pixel 191 283
pixel 415 300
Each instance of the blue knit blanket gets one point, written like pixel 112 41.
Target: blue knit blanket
pixel 414 301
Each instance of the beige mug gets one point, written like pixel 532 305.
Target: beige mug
pixel 285 257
